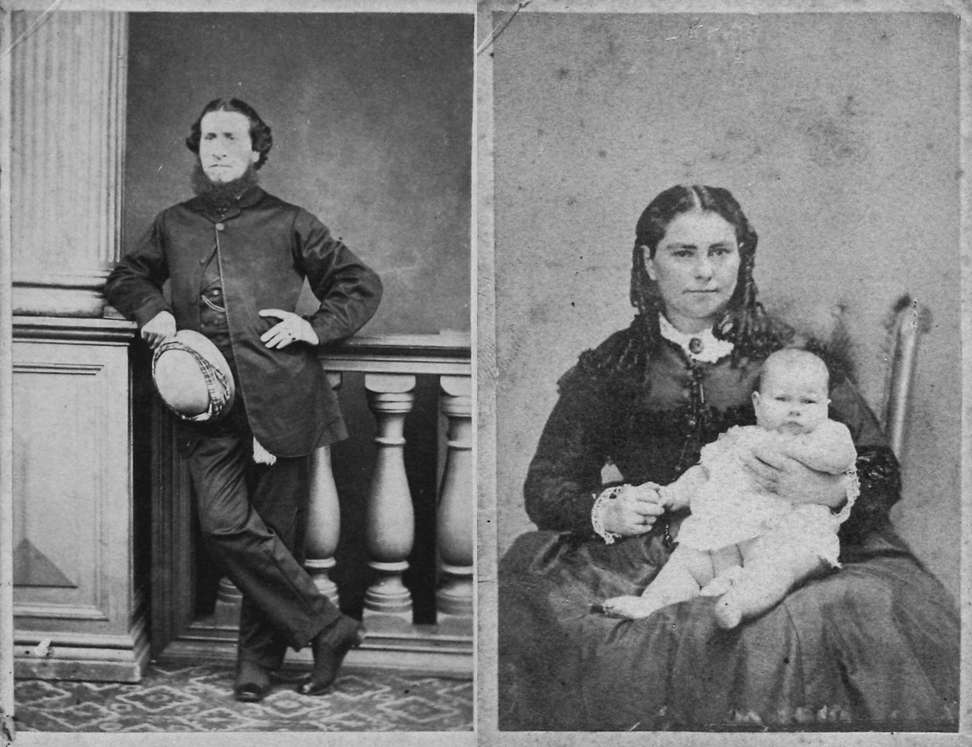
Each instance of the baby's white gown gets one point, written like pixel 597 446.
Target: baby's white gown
pixel 730 508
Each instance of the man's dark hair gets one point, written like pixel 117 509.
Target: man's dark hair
pixel 260 138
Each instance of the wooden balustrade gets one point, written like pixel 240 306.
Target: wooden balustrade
pixel 390 366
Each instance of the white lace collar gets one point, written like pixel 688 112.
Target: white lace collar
pixel 704 347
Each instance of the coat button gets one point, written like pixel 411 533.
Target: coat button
pixel 220 226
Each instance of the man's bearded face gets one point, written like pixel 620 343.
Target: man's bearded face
pixel 225 148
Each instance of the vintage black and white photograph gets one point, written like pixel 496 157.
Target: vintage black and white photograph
pixel 729 392
pixel 242 490
pixel 484 371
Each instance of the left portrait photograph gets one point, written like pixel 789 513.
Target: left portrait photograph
pixel 240 490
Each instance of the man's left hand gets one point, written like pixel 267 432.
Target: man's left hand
pixel 291 328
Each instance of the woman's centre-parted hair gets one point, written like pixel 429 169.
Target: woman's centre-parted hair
pixel 659 214
pixel 744 322
pixel 260 138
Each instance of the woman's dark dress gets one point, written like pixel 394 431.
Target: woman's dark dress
pixel 872 646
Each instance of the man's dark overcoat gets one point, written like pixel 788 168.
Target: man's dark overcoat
pixel 265 248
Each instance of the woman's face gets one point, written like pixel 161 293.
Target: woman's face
pixel 695 267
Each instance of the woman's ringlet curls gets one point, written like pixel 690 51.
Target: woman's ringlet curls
pixel 744 322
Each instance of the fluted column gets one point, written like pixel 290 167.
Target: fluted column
pixel 456 510
pixel 323 517
pixel 390 520
pixel 69 73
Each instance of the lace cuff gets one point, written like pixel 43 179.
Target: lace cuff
pixel 853 492
pixel 600 501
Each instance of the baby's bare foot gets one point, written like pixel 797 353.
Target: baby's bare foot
pixel 728 614
pixel 723 582
pixel 630 607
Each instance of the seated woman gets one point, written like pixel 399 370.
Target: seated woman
pixel 875 646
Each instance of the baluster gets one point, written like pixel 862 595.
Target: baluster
pixel 228 601
pixel 390 522
pixel 323 516
pixel 456 510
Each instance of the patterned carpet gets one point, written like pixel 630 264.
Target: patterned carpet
pixel 198 698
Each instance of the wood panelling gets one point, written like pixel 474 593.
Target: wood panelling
pixel 78 607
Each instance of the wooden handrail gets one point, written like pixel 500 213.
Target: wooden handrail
pixel 442 354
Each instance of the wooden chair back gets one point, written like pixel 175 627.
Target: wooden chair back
pixel 910 321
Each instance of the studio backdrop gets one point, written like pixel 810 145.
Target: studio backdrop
pixel 839 135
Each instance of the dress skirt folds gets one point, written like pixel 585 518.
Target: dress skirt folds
pixel 873 646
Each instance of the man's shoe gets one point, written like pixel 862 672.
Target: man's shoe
pixel 252 682
pixel 330 647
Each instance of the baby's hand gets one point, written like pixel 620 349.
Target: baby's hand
pixel 650 491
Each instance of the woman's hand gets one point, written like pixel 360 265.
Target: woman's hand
pixel 792 480
pixel 292 327
pixel 633 510
pixel 158 328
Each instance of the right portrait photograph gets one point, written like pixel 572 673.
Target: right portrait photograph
pixel 728 357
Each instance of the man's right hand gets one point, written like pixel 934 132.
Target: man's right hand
pixel 158 328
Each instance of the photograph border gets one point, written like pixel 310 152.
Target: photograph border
pixel 494 18
pixel 151 739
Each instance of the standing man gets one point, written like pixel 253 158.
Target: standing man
pixel 236 258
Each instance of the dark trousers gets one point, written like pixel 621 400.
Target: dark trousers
pixel 253 520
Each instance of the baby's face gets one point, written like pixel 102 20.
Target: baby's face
pixel 791 399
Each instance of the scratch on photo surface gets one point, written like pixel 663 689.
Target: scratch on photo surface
pixel 501 27
pixel 38 22
pixel 7 732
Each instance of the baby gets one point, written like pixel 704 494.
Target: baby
pixel 779 543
